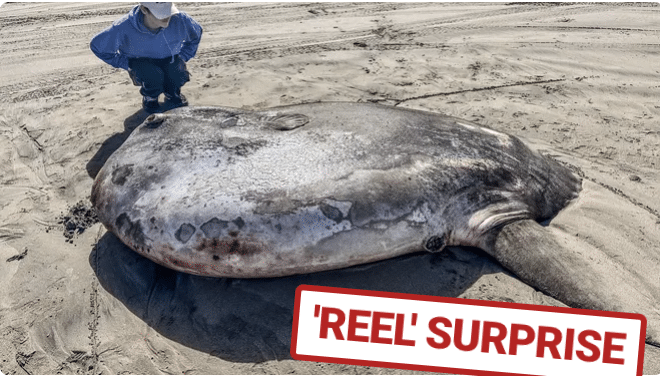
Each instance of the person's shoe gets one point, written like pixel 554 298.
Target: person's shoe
pixel 175 101
pixel 150 104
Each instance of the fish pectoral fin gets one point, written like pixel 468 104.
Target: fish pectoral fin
pixel 285 122
pixel 578 275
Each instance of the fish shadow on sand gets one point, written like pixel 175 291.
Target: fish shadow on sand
pixel 114 142
pixel 250 320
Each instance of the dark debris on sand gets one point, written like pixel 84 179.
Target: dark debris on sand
pixel 19 256
pixel 79 218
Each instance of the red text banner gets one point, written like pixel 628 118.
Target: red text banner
pixel 437 334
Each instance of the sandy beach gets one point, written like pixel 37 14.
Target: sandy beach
pixel 577 81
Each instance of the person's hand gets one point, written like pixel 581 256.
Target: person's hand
pixel 134 78
pixel 181 64
pixel 181 67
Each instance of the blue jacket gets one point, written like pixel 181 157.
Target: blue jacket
pixel 129 38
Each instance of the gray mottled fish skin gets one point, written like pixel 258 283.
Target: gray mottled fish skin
pixel 231 193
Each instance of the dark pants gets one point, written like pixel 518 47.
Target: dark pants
pixel 156 76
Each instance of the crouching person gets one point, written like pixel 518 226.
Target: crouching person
pixel 152 42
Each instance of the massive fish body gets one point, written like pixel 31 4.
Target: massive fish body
pixel 231 193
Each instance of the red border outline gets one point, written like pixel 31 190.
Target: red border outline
pixel 428 298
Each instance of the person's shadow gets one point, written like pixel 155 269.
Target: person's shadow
pixel 114 142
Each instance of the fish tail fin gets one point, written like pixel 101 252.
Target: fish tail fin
pixel 576 274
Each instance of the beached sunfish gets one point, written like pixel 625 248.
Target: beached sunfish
pixel 225 192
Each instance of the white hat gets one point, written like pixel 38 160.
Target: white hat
pixel 161 10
